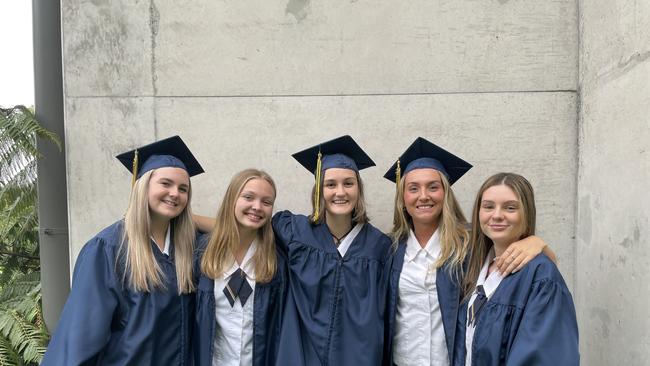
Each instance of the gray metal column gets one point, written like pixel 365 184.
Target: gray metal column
pixel 52 190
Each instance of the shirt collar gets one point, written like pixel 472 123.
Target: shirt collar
pixel 167 240
pixel 492 281
pixel 413 248
pixel 247 265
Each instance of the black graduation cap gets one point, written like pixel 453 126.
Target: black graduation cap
pixel 169 152
pixel 424 154
pixel 341 152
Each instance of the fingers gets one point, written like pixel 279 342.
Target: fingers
pixel 508 261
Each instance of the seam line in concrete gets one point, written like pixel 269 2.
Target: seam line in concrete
pixel 323 95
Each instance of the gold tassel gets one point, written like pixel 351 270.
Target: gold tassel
pixel 317 190
pixel 398 173
pixel 135 169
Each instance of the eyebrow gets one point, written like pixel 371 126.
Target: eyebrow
pixel 165 179
pixel 426 182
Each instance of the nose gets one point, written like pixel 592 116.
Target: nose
pixel 173 191
pixel 497 214
pixel 422 195
pixel 256 205
pixel 339 190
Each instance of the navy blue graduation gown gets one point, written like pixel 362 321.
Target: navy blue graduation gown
pixel 529 320
pixel 268 306
pixel 104 322
pixel 447 288
pixel 335 308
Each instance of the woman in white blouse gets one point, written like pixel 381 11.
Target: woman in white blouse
pixel 430 242
pixel 241 289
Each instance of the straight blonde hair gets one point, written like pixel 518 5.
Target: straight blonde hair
pixel 142 271
pixel 480 244
pixel 452 227
pixel 359 214
pixel 219 254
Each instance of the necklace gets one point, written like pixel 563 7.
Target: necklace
pixel 337 240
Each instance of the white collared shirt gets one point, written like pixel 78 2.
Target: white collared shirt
pixel 167 241
pixel 490 285
pixel 419 334
pixel 347 241
pixel 233 336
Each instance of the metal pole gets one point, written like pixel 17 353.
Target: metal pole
pixel 52 189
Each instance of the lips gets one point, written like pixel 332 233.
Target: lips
pixel 170 203
pixel 498 227
pixel 253 217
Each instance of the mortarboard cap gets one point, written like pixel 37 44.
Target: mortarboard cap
pixel 424 154
pixel 341 152
pixel 169 152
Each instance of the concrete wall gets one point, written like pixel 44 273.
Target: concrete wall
pixel 614 204
pixel 248 83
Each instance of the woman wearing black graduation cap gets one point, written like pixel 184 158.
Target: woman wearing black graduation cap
pixel 430 243
pixel 335 305
pixel 132 297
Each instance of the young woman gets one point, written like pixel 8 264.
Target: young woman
pixel 132 293
pixel 242 285
pixel 335 309
pixel 430 247
pixel 527 318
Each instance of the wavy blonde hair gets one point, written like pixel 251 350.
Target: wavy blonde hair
pixel 480 244
pixel 452 226
pixel 142 271
pixel 359 214
pixel 218 256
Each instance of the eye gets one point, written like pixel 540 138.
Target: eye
pixel 434 188
pixel 330 185
pixel 165 183
pixel 247 197
pixel 512 208
pixel 487 206
pixel 413 189
pixel 183 189
pixel 267 203
pixel 349 184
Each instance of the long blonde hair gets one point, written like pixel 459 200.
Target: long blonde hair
pixel 218 256
pixel 480 244
pixel 452 226
pixel 359 214
pixel 142 272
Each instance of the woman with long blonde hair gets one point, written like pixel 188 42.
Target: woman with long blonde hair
pixel 132 293
pixel 527 318
pixel 430 244
pixel 242 284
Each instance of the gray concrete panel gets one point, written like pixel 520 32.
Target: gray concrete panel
pixel 107 47
pixel 613 222
pixel 530 133
pixel 300 47
pixel 98 185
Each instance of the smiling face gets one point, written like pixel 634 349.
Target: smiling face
pixel 423 196
pixel 501 215
pixel 254 206
pixel 168 193
pixel 340 191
